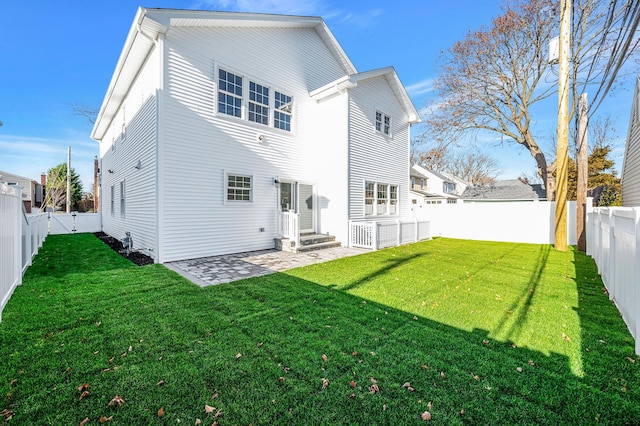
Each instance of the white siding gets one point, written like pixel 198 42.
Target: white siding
pixel 132 138
pixel 631 168
pixel 200 146
pixel 373 156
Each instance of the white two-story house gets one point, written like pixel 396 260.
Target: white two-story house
pixel 223 132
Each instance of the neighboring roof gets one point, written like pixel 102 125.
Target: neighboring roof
pixel 148 24
pixel 512 189
pixel 426 172
pixel 351 81
pixel 11 177
pixel 415 172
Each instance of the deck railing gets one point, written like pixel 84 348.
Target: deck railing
pixel 376 235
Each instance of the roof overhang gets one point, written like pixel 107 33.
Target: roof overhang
pixel 350 81
pixel 149 24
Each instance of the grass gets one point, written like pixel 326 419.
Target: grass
pixel 485 333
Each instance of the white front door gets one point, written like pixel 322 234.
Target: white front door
pixel 298 197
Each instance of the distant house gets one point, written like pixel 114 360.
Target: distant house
pixel 631 165
pixel 440 187
pixel 32 191
pixel 512 189
pixel 225 132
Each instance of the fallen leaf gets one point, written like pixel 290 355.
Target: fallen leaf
pixel 98 324
pixel 111 360
pixel 209 409
pixel 130 348
pixel 485 342
pixel 325 383
pixel 475 377
pixel 260 344
pixel 426 416
pixel 631 360
pixel 123 355
pixel 83 395
pixel 353 395
pixel 374 388
pixel 531 362
pixel 565 337
pixel 104 419
pixel 354 353
pixel 406 385
pixel 415 318
pixel 373 380
pixel 13 382
pixel 217 414
pixel 96 352
pixel 429 405
pixel 384 407
pixel 198 422
pixel 67 370
pixel 116 401
pixel 160 383
pixel 281 379
pixel 83 387
pixel 519 369
pixel 442 374
pixel 215 395
pixel 462 412
pixel 353 384
pixel 286 369
pixel 161 412
pixel 85 421
pixel 324 358
pixel 425 367
pixel 238 355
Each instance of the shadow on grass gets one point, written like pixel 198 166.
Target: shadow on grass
pixel 522 303
pixel 390 265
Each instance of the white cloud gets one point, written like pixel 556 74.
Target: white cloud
pixel 421 88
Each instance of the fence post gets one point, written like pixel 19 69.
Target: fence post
pixel 636 279
pixel 416 235
pixel 18 227
pixel 374 235
pixel 611 272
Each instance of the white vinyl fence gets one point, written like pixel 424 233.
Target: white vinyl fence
pixel 506 221
pixel 21 236
pixel 377 235
pixel 71 223
pixel 613 240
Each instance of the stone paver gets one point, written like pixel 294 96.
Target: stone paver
pixel 212 270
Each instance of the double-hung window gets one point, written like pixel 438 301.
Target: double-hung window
pixel 382 199
pixel 113 200
pixel 229 93
pixel 369 197
pixel 258 103
pixel 122 199
pixel 238 188
pixel 383 123
pixel 282 112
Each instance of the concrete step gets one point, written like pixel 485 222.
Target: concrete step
pixel 310 239
pixel 318 246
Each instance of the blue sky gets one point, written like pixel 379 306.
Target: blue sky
pixel 57 53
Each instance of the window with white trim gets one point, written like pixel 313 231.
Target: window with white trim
pixel 258 103
pixel 229 93
pixel 122 204
pixel 369 197
pixel 282 112
pixel 381 195
pixel 113 200
pixel 383 123
pixel 239 188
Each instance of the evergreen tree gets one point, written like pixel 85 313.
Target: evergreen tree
pixel 57 187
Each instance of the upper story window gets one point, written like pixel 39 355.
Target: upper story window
pixel 383 123
pixel 229 93
pixel 258 103
pixel 448 187
pixel 240 97
pixel 282 113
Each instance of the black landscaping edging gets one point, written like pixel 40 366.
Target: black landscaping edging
pixel 136 257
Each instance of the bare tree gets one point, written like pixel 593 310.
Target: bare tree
pixel 88 112
pixel 491 80
pixel 478 169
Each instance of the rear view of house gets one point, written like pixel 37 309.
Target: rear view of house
pixel 224 132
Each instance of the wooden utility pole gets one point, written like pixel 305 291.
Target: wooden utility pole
pixel 68 180
pixel 563 127
pixel 582 161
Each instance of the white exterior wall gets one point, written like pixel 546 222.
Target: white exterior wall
pixel 199 146
pixel 631 167
pixel 120 153
pixel 374 156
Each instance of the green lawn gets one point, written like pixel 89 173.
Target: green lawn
pixel 484 333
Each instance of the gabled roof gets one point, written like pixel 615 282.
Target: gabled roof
pixel 148 24
pixel 351 80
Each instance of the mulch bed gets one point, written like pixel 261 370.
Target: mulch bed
pixel 136 257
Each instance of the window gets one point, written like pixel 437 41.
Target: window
pixel 229 93
pixel 113 196
pixel 448 187
pixel 369 196
pixel 238 188
pixel 381 195
pixel 383 199
pixel 122 198
pixel 282 112
pixel 383 123
pixel 258 103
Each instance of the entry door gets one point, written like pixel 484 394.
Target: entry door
pixel 298 197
